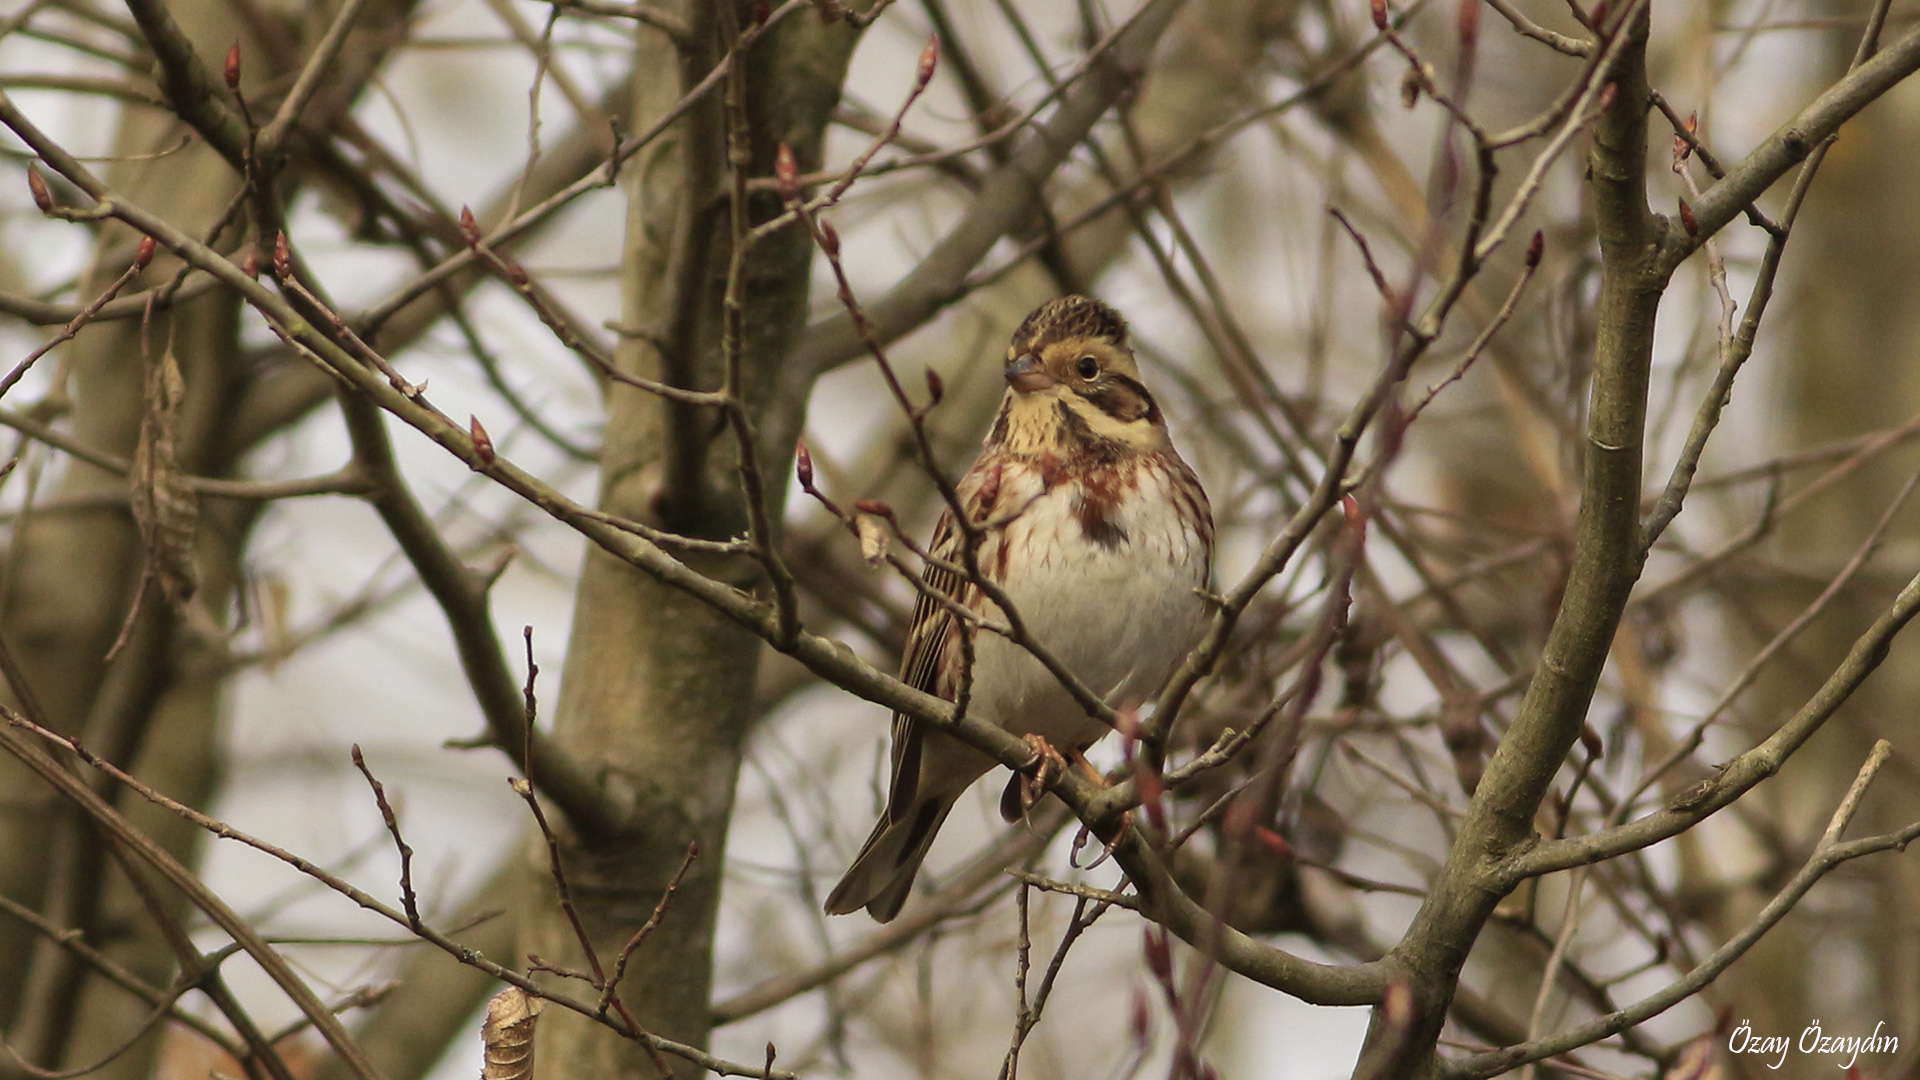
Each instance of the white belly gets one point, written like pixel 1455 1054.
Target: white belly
pixel 1120 616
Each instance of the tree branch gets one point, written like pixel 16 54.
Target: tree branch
pixel 1005 200
pixel 1829 853
pixel 1787 146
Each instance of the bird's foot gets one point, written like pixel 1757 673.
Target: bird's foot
pixel 1027 785
pixel 1080 842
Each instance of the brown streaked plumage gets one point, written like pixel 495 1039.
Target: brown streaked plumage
pixel 1100 536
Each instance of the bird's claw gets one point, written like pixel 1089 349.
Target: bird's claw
pixel 1027 785
pixel 1049 767
pixel 1080 841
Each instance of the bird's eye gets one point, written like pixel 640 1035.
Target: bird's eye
pixel 1088 367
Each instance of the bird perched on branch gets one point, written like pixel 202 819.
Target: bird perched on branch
pixel 1100 537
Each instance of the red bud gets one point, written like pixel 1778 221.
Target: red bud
pixel 37 184
pixel 1273 841
pixel 1379 9
pixel 829 239
pixel 1142 1019
pixel 1468 20
pixel 874 507
pixel 1590 739
pixel 786 172
pixel 233 67
pixel 282 256
pixel 250 264
pixel 935 388
pixel 1148 784
pixel 1607 94
pixel 482 442
pixel 144 253
pixel 515 272
pixel 1683 140
pixel 1356 518
pixel 469 228
pixel 1687 221
pixel 1599 16
pixel 803 466
pixel 1159 954
pixel 1535 247
pixel 929 58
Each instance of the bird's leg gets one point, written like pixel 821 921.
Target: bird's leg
pixel 1080 839
pixel 1078 755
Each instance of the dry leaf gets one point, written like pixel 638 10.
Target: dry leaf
pixel 508 1035
pixel 163 506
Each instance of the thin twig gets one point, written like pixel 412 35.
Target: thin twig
pixel 1828 854
pixel 659 912
pixel 408 901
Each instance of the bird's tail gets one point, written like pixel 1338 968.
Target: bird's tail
pixel 882 874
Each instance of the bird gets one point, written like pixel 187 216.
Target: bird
pixel 1099 535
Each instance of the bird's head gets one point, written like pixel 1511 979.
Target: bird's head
pixel 1073 380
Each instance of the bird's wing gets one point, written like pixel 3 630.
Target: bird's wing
pixel 929 637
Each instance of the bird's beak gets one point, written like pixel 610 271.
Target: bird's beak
pixel 1026 375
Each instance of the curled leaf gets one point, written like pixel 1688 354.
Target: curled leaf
pixel 164 508
pixel 507 1034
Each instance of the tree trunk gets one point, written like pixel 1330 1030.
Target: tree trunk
pixel 655 690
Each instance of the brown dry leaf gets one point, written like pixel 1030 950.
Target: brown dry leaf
pixel 508 1035
pixel 163 506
